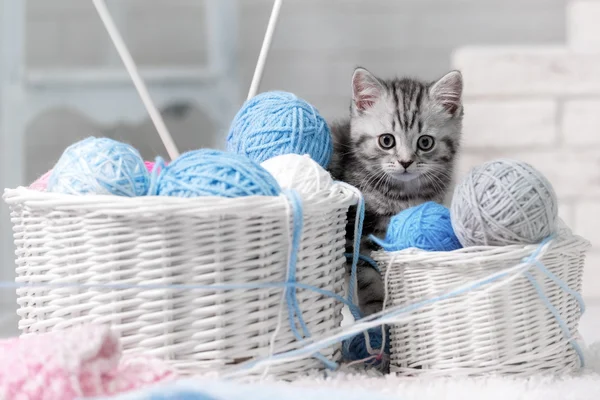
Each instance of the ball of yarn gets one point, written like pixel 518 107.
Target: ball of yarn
pixel 41 183
pixel 355 348
pixel 299 172
pixel 207 172
pixel 504 202
pixel 426 226
pixel 276 123
pixel 100 166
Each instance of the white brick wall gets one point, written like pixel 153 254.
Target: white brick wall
pixel 541 104
pixel 500 123
pixel 582 27
pixel 528 71
pixel 581 122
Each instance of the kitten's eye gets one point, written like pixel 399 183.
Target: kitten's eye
pixel 425 143
pixel 387 141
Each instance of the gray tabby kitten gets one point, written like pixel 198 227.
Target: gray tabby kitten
pixel 398 147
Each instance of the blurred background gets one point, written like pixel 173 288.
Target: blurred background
pixel 531 69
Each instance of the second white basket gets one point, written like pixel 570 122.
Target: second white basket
pixel 63 239
pixel 521 328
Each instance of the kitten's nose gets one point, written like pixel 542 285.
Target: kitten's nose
pixel 406 164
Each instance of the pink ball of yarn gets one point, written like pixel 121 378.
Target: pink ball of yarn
pixel 150 165
pixel 41 183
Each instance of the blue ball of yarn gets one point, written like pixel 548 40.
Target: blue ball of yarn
pixel 207 172
pixel 276 123
pixel 426 226
pixel 355 348
pixel 100 166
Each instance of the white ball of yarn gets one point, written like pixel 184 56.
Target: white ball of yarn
pixel 299 172
pixel 503 202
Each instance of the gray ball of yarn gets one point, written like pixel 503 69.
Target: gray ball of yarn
pixel 503 202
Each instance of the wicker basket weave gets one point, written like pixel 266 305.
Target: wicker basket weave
pixel 508 330
pixel 203 241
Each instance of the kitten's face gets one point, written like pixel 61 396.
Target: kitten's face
pixel 406 130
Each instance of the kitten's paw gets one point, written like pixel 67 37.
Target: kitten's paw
pixel 371 307
pixel 370 291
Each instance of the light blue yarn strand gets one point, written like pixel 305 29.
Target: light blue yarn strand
pixel 358 227
pixel 311 349
pixel 382 320
pixel 562 285
pixel 294 310
pixel 372 263
pixel 561 323
pixel 157 170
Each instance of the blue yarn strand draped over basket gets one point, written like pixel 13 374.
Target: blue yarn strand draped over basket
pixel 208 172
pixel 276 123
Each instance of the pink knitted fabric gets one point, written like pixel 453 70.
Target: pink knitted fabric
pixel 41 183
pixel 74 363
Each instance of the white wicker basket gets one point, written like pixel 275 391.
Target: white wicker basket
pixel 165 240
pixel 508 330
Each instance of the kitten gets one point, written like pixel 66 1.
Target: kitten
pixel 398 147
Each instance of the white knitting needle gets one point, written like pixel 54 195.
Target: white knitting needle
pixel 264 51
pixel 138 82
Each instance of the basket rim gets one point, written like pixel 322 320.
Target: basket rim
pixel 477 253
pixel 339 196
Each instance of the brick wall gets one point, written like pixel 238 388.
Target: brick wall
pixel 541 104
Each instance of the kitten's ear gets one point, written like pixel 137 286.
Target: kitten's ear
pixel 447 91
pixel 366 89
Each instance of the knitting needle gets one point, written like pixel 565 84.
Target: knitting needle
pixel 264 51
pixel 138 82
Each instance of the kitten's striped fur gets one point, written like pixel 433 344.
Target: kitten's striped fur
pixel 396 177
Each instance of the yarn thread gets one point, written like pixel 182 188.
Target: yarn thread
pixel 275 123
pixel 294 311
pixel 504 202
pixel 100 166
pixel 367 347
pixel 208 172
pixel 426 226
pixel 395 314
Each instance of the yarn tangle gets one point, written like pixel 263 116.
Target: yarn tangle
pixel 356 349
pixel 426 226
pixel 504 202
pixel 100 166
pixel 207 172
pixel 276 123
